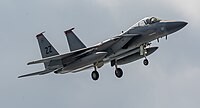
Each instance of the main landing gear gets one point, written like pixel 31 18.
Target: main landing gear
pixel 95 74
pixel 118 71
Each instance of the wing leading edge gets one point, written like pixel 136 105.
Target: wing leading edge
pixel 62 56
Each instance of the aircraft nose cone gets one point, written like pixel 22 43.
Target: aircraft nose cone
pixel 181 24
pixel 175 26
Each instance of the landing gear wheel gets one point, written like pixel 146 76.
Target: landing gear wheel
pixel 95 75
pixel 119 72
pixel 145 62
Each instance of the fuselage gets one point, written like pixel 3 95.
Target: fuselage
pixel 149 29
pixel 129 46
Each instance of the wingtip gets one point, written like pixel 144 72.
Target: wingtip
pixel 24 75
pixel 29 63
pixel 20 76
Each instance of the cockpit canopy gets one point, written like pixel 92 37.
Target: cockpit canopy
pixel 147 21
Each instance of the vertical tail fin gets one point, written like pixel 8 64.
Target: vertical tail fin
pixel 73 41
pixel 46 48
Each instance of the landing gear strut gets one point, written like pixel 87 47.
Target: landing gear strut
pixel 95 74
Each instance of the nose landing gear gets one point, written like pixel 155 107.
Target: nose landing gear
pixel 118 72
pixel 143 52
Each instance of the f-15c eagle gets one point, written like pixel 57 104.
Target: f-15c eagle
pixel 129 46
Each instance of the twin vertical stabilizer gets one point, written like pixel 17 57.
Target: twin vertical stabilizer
pixel 73 41
pixel 46 48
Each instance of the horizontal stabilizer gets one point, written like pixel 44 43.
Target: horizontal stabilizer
pixel 37 73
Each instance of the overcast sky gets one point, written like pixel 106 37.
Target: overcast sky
pixel 171 80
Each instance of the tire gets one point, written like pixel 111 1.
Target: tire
pixel 145 62
pixel 95 75
pixel 118 72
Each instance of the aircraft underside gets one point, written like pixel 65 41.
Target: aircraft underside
pixel 123 57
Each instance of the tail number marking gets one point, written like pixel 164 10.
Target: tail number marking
pixel 48 50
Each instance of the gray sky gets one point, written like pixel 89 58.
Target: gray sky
pixel 170 81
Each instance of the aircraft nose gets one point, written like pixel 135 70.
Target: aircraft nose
pixel 175 26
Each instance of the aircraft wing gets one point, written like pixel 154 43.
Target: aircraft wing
pixel 123 40
pixel 57 57
pixel 38 73
pixel 62 56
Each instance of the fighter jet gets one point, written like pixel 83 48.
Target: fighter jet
pixel 129 46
